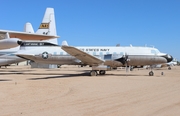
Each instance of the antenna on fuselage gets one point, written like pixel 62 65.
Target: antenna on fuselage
pixel 117 45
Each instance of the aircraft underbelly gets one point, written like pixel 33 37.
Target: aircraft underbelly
pixel 57 60
pixel 113 63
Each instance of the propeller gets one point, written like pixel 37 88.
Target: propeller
pixel 124 60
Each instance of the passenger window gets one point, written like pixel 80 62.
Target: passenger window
pixel 108 57
pixel 121 53
pixel 61 53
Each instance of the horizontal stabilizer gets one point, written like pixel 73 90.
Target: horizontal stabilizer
pixel 27 36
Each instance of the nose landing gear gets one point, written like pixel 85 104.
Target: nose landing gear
pixel 169 68
pixel 102 72
pixel 151 73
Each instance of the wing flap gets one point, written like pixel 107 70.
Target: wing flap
pixel 83 56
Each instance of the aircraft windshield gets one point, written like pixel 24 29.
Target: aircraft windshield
pixel 155 51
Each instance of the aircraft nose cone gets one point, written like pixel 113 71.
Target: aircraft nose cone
pixel 168 57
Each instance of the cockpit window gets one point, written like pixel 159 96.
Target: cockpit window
pixel 155 51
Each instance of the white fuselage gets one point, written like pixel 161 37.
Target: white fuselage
pixel 137 55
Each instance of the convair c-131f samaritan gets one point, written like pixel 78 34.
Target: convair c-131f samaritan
pixel 100 58
pixel 10 40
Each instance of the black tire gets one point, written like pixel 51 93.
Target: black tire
pixel 93 73
pixel 151 73
pixel 169 68
pixel 131 69
pixel 102 72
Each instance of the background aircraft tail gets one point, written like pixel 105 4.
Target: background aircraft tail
pixel 28 28
pixel 48 25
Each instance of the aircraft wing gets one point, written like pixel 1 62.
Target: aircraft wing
pixel 26 36
pixel 83 56
pixel 26 56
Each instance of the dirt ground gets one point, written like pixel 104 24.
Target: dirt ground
pixel 70 91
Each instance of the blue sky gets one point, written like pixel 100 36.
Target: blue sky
pixel 102 22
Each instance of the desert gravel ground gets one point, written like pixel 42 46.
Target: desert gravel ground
pixel 70 91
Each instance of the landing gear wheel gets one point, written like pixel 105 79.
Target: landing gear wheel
pixel 169 68
pixel 131 69
pixel 151 73
pixel 93 73
pixel 102 72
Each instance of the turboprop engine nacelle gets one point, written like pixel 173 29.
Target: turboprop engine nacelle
pixel 9 43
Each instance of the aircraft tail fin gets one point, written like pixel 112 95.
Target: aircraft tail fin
pixel 64 43
pixel 28 28
pixel 7 36
pixel 48 25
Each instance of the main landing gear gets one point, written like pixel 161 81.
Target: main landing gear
pixel 102 72
pixel 94 72
pixel 151 73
